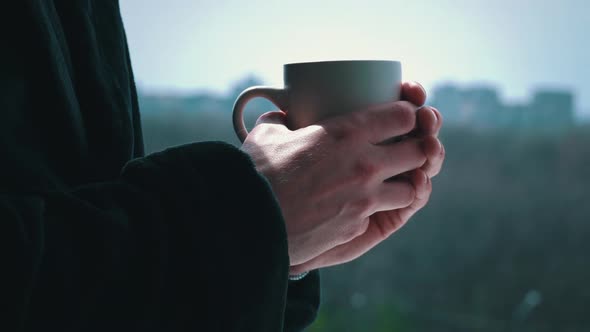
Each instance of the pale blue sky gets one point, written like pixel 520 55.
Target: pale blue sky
pixel 189 45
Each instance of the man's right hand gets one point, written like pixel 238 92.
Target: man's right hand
pixel 329 178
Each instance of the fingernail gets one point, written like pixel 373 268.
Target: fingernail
pixel 421 87
pixel 433 110
pixel 436 113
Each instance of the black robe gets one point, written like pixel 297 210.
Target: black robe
pixel 96 237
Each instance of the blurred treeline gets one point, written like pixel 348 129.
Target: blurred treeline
pixel 502 246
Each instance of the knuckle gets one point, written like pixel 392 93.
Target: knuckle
pixel 419 149
pixel 358 230
pixel 412 154
pixel 407 194
pixel 264 131
pixel 423 192
pixel 346 129
pixel 364 170
pixel 346 236
pixel 264 128
pixel 353 231
pixel 361 207
pixel 363 227
pixel 423 200
pixel 344 134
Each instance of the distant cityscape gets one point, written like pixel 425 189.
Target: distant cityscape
pixel 483 108
pixel 203 101
pixel 477 106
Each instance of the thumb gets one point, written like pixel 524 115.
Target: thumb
pixel 274 117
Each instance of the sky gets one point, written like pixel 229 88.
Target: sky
pixel 514 45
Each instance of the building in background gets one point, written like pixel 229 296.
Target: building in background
pixel 482 107
pixel 552 109
pixel 478 106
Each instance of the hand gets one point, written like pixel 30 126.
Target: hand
pixel 429 124
pixel 329 178
pixel 384 223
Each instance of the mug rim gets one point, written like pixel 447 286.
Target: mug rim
pixel 341 61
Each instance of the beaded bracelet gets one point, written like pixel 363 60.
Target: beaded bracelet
pixel 299 276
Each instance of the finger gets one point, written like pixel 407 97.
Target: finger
pixel 422 185
pixel 435 155
pixel 423 193
pixel 380 227
pixel 385 223
pixel 383 122
pixel 439 120
pixel 413 92
pixel 274 117
pixel 427 121
pixel 394 194
pixel 396 158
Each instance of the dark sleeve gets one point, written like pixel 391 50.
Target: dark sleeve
pixel 191 238
pixel 303 301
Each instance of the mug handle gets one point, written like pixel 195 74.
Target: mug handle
pixel 275 95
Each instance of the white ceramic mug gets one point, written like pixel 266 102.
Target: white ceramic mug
pixel 316 90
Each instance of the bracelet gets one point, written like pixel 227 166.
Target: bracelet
pixel 299 276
